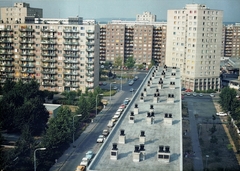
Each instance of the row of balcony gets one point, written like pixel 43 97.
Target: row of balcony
pixel 71 55
pixel 6 59
pixel 26 30
pixel 28 71
pixel 90 43
pixel 7 75
pixel 48 42
pixel 70 37
pixel 48 54
pixel 48 30
pixel 6 30
pixel 70 31
pixel 6 40
pixel 48 60
pixel 7 70
pixel 71 43
pixel 27 65
pixel 6 47
pixel 49 36
pixel 24 59
pixel 6 64
pixel 49 84
pixel 71 62
pixel 27 54
pixel 2 52
pixel 27 42
pixel 27 36
pixel 48 48
pixel 71 49
pixel 27 47
pixel 71 79
pixel 6 35
pixel 71 85
pixel 49 78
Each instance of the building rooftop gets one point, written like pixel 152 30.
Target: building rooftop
pixel 159 129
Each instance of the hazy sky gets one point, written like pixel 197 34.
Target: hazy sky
pixel 94 9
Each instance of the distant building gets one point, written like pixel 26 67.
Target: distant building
pixel 146 16
pixel 18 12
pixel 232 40
pixel 194 43
pixel 144 41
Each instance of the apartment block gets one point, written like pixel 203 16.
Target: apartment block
pixel 60 54
pixel 194 42
pixel 144 41
pixel 18 12
pixel 232 40
pixel 146 16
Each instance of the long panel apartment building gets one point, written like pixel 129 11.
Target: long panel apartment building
pixel 194 43
pixel 143 40
pixel 61 54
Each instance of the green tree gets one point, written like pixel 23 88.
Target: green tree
pixel 70 97
pixel 83 107
pixel 91 101
pixel 118 62
pixel 227 96
pixel 130 62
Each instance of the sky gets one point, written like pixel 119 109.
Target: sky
pixel 118 9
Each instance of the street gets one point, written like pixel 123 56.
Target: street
pixel 87 141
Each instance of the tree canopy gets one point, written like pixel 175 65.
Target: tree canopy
pixel 118 62
pixel 227 96
pixel 130 62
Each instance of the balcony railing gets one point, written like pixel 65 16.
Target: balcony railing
pixel 7 64
pixel 90 31
pixel 27 54
pixel 90 74
pixel 90 49
pixel 90 56
pixel 27 71
pixel 90 80
pixel 49 78
pixel 90 37
pixel 26 29
pixel 71 73
pixel 7 70
pixel 71 67
pixel 26 41
pixel 48 54
pixel 49 72
pixel 71 37
pixel 6 36
pixel 90 62
pixel 71 55
pixel 71 49
pixel 71 79
pixel 48 30
pixel 89 68
pixel 27 65
pixel 27 47
pixel 6 40
pixel 71 43
pixel 70 31
pixel 49 60
pixel 49 66
pixel 6 59
pixel 71 62
pixel 24 59
pixel 27 35
pixel 90 43
pixel 48 42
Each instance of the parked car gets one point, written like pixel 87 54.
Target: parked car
pixel 110 124
pixel 194 94
pixel 115 88
pixel 105 132
pixel 131 89
pixel 212 95
pixel 201 94
pixel 120 110
pixel 125 102
pixel 221 114
pixel 135 78
pixel 104 83
pixel 100 139
pixel 85 161
pixel 188 94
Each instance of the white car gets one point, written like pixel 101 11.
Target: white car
pixel 85 161
pixel 194 94
pixel 212 95
pixel 221 114
pixel 188 94
pixel 120 110
pixel 201 94
pixel 100 139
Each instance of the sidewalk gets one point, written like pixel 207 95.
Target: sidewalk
pixel 67 154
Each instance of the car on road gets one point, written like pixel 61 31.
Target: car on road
pixel 200 94
pixel 212 95
pixel 131 82
pixel 135 78
pixel 221 114
pixel 194 94
pixel 85 161
pixel 104 83
pixel 120 110
pixel 105 132
pixel 100 139
pixel 188 94
pixel 115 88
pixel 125 102
pixel 131 89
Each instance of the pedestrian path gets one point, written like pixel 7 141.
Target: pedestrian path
pixel 59 163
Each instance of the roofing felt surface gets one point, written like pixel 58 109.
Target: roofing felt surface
pixel 157 132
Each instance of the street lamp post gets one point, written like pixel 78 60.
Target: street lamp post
pixel 34 157
pixel 207 156
pixel 73 125
pixel 96 102
pixel 121 77
pixel 111 91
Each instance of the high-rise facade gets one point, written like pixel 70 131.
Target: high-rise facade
pixel 194 41
pixel 144 41
pixel 232 40
pixel 18 12
pixel 146 16
pixel 60 54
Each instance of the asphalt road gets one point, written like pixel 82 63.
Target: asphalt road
pixel 89 143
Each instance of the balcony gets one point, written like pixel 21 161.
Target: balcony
pixel 90 43
pixel 49 78
pixel 48 48
pixel 48 42
pixel 71 55
pixel 90 86
pixel 71 79
pixel 48 30
pixel 27 48
pixel 27 42
pixel 90 68
pixel 7 70
pixel 49 66
pixel 24 59
pixel 71 43
pixel 27 78
pixel 71 62
pixel 6 35
pixel 49 60
pixel 71 67
pixel 26 54
pixel 90 74
pixel 6 59
pixel 6 29
pixel 6 41
pixel 49 84
pixel 90 80
pixel 71 73
pixel 90 55
pixel 6 47
pixel 6 53
pixel 49 72
pixel 90 62
pixel 90 31
pixel 90 49
pixel 28 71
pixel 90 37
pixel 49 36
pixel 71 49
pixel 26 29
pixel 70 31
pixel 7 64
pixel 49 54
pixel 27 65
pixel 71 37
pixel 27 36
